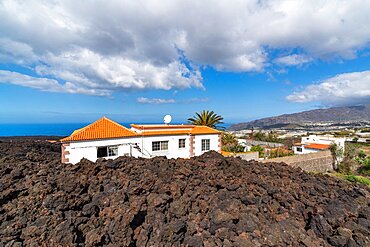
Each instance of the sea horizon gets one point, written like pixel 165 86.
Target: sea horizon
pixel 49 129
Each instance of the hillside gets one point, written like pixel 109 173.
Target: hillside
pixel 204 201
pixel 333 115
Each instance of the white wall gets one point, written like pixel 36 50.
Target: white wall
pixel 88 149
pixel 295 151
pixel 173 146
pixel 324 139
pixel 305 150
pixel 214 141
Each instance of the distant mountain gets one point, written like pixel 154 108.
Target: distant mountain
pixel 330 115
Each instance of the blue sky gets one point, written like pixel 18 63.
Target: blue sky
pixel 69 62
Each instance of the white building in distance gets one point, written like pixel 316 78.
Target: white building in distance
pixel 317 143
pixel 108 139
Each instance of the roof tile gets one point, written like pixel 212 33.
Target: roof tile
pixel 103 128
pixel 195 130
pixel 317 146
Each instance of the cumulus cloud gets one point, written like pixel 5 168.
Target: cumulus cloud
pixel 341 89
pixel 134 45
pixel 144 100
pixel 293 60
pixel 46 84
pixel 197 100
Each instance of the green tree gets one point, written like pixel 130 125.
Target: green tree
pixel 230 143
pixel 206 118
pixel 258 149
pixel 258 136
pixel 228 138
pixel 348 161
pixel 337 153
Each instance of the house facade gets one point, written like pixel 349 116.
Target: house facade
pixel 317 143
pixel 108 139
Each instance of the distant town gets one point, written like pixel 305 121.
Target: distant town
pixel 289 137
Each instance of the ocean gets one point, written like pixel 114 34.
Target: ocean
pixel 49 129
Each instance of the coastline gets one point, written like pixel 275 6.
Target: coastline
pixel 47 129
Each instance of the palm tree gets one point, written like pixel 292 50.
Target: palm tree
pixel 206 118
pixel 228 139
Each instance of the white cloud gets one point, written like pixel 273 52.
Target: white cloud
pixel 16 52
pixel 293 60
pixel 46 84
pixel 91 69
pixel 159 44
pixel 144 100
pixel 340 89
pixel 197 100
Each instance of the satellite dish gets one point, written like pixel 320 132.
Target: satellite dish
pixel 167 119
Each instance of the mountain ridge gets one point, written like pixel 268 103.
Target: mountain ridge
pixel 332 115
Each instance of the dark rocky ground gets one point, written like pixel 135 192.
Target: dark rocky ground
pixel 206 201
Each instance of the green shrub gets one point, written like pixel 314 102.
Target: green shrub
pixel 361 154
pixel 358 179
pixel 230 143
pixel 258 149
pixel 233 148
pixel 365 168
pixel 345 167
pixel 280 152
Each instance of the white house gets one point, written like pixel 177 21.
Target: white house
pixel 317 143
pixel 108 139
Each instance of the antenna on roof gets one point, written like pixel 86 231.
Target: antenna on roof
pixel 167 119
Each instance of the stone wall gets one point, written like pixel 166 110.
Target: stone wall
pixel 313 162
pixel 261 143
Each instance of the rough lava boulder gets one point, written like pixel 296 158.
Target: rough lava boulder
pixel 209 200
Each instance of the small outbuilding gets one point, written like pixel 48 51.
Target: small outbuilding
pixel 317 143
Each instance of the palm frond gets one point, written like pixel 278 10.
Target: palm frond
pixel 206 118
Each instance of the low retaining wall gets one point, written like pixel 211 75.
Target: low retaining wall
pixel 247 156
pixel 313 162
pixel 261 143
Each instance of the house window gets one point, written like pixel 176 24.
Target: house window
pixel 161 145
pixel 107 151
pixel 164 145
pixel 299 149
pixel 156 146
pixel 181 143
pixel 205 145
pixel 112 151
pixel 102 152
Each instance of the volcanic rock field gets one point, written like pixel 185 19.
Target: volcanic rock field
pixel 204 201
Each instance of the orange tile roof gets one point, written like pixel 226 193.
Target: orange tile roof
pixel 226 153
pixel 317 146
pixel 103 128
pixel 195 130
pixel 161 126
pixel 198 130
